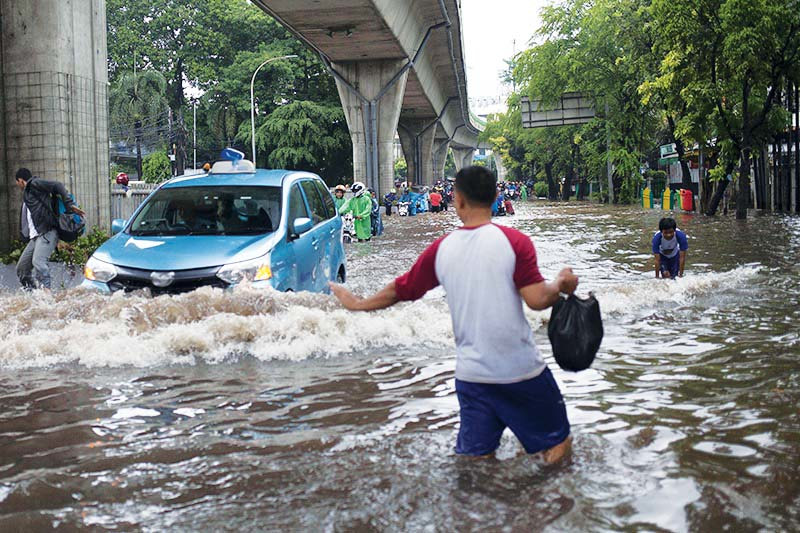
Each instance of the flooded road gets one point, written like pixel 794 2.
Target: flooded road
pixel 256 410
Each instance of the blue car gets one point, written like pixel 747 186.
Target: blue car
pixel 270 227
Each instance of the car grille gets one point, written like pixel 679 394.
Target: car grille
pixel 134 279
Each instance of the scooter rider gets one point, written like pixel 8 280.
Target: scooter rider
pixel 360 205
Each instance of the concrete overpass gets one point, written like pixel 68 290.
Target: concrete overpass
pixel 399 66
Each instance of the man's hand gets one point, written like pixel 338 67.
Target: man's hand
pixel 345 297
pixel 567 281
pixel 382 299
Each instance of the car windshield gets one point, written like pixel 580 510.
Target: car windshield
pixel 224 210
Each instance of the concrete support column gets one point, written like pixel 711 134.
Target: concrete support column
pixel 501 170
pixel 53 103
pixel 416 138
pixel 438 161
pixel 462 157
pixel 371 95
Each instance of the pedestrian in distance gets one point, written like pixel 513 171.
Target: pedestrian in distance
pixel 389 200
pixel 38 226
pixel 436 201
pixel 488 271
pixel 669 248
pixel 375 215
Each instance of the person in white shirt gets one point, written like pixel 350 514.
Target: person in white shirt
pixel 488 271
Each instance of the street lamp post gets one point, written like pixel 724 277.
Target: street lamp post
pixel 252 104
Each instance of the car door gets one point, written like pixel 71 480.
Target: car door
pixel 302 246
pixel 334 250
pixel 319 216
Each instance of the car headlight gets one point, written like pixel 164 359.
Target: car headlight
pixel 254 270
pixel 96 270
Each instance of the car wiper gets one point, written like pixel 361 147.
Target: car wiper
pixel 147 233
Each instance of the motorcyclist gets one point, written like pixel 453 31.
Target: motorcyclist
pixel 360 205
pixel 338 197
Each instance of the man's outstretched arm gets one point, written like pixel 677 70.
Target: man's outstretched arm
pixel 539 296
pixel 386 297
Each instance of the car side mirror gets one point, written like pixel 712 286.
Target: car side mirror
pixel 301 225
pixel 117 225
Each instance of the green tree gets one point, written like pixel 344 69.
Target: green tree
pixel 602 49
pixel 133 99
pixel 156 168
pixel 305 135
pixel 215 46
pixel 401 169
pixel 733 58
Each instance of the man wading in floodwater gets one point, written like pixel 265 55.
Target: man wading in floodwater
pixel 487 271
pixel 669 248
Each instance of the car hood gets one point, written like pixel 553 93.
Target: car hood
pixel 183 252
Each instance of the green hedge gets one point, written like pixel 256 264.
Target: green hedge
pixel 73 254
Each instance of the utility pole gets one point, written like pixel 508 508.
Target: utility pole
pixel 194 132
pixel 608 158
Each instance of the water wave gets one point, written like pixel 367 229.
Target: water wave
pixel 210 325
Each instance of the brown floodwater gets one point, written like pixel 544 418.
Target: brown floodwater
pixel 252 410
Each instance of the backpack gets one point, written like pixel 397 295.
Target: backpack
pixel 69 226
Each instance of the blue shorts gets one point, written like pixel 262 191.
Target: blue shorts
pixel 533 409
pixel 670 264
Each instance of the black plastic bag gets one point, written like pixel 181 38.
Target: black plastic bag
pixel 575 331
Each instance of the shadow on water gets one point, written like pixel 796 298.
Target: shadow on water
pixel 221 410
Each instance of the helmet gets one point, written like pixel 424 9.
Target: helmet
pixel 207 166
pixel 340 188
pixel 358 188
pixel 122 179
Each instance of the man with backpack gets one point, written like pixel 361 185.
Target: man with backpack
pixel 39 226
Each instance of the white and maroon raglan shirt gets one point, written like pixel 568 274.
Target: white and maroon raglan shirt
pixel 482 269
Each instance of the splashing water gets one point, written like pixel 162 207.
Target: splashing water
pixel 224 409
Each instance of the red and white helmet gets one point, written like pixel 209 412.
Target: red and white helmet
pixel 122 179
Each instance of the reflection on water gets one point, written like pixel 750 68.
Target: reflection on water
pixel 220 410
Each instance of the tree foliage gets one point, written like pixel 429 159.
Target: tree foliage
pixel 710 73
pixel 156 168
pixel 213 47
pixel 133 99
pixel 305 135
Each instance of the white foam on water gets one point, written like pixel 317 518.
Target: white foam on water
pixel 41 329
pixel 210 325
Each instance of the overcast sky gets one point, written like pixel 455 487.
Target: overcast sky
pixel 490 28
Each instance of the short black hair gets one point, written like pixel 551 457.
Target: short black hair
pixel 24 174
pixel 477 184
pixel 667 223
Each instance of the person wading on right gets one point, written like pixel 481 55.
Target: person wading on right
pixel 669 248
pixel 488 271
pixel 38 226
